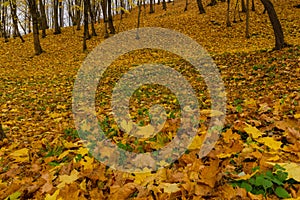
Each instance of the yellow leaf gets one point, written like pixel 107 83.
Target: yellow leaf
pixel 127 126
pixel 224 155
pixel 20 153
pixel 293 169
pixel 170 187
pixel 211 113
pixel 82 185
pixel 66 179
pixel 87 163
pixel 53 196
pixel 253 131
pixel 273 159
pixel 270 142
pixel 246 176
pixel 196 143
pixel 297 116
pixel 145 131
pixel 82 151
pixel 140 177
pixel 64 154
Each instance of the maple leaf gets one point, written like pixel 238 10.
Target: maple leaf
pixel 67 179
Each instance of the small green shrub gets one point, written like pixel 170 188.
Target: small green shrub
pixel 269 182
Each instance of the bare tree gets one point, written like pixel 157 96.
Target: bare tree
pixel 14 16
pixel 279 37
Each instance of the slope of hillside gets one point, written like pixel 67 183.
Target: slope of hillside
pixel 42 156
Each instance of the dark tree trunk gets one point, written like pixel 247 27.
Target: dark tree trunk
pixel 253 6
pixel 164 5
pixel 110 18
pixel 186 5
pixel 151 7
pixel 212 3
pixel 13 7
pixel 244 9
pixel 61 14
pixel 56 25
pixel 247 19
pixel 33 11
pixel 200 6
pixel 228 24
pixel 92 18
pixel 2 134
pixel 85 22
pixel 78 17
pixel 279 37
pixel 4 14
pixel 44 25
pixel 104 9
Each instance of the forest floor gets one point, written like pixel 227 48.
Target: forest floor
pixel 44 158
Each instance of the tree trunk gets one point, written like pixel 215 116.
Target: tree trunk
pixel 104 9
pixel 110 18
pixel 164 5
pixel 36 39
pixel 92 19
pixel 151 7
pixel 2 134
pixel 4 14
pixel 228 24
pixel 56 25
pixel 13 7
pixel 212 3
pixel 279 37
pixel 78 17
pixel 44 25
pixel 186 5
pixel 244 9
pixel 200 6
pixel 61 14
pixel 247 19
pixel 253 6
pixel 85 22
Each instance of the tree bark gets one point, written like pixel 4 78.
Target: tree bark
pixel 104 9
pixel 56 25
pixel 164 4
pixel 110 18
pixel 86 25
pixel 244 9
pixel 200 7
pixel 228 24
pixel 2 134
pixel 253 6
pixel 279 37
pixel 186 5
pixel 44 25
pixel 151 7
pixel 33 11
pixel 247 19
pixel 13 7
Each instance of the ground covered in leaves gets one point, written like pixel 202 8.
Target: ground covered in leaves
pixel 255 157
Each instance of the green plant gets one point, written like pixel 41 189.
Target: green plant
pixel 71 133
pixel 269 182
